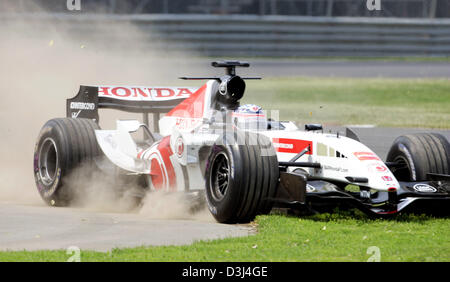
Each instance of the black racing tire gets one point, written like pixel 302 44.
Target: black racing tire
pixel 241 176
pixel 63 145
pixel 420 153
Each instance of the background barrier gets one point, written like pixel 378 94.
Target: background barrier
pixel 272 36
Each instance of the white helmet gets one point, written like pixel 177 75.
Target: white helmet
pixel 249 117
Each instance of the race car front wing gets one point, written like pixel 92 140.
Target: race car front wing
pixel 303 193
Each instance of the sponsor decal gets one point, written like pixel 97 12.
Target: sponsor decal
pixel 386 178
pixel 284 146
pixel 82 106
pixel 76 114
pixel 187 123
pixel 424 188
pixel 145 93
pixel 179 147
pixel 380 168
pixel 377 167
pixel 405 150
pixel 365 194
pixel 293 146
pixel 310 188
pixel 340 169
pixel 366 156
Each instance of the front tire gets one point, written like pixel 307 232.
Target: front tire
pixel 241 177
pixel 420 153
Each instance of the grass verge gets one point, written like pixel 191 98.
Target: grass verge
pixel 341 236
pixel 423 103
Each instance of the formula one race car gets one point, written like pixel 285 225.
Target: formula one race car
pixel 245 163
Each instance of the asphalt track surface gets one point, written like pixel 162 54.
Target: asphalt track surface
pixel 362 69
pixel 40 227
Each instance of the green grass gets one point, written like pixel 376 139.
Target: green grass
pixel 342 236
pixel 383 59
pixel 380 101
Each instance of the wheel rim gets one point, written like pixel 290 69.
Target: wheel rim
pixel 220 175
pixel 48 161
pixel 403 172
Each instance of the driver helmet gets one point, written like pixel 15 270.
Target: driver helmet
pixel 249 117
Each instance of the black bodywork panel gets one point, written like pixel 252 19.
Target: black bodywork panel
pixel 296 191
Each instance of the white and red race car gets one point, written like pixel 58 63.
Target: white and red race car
pixel 245 163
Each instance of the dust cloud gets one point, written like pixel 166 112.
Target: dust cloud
pixel 103 192
pixel 160 204
pixel 43 61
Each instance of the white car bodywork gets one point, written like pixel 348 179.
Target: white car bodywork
pixel 187 129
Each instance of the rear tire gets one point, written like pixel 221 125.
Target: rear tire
pixel 241 177
pixel 420 153
pixel 63 145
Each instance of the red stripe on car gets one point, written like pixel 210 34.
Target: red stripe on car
pixel 166 152
pixel 294 146
pixel 366 156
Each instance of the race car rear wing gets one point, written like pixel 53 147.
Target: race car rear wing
pixel 136 99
